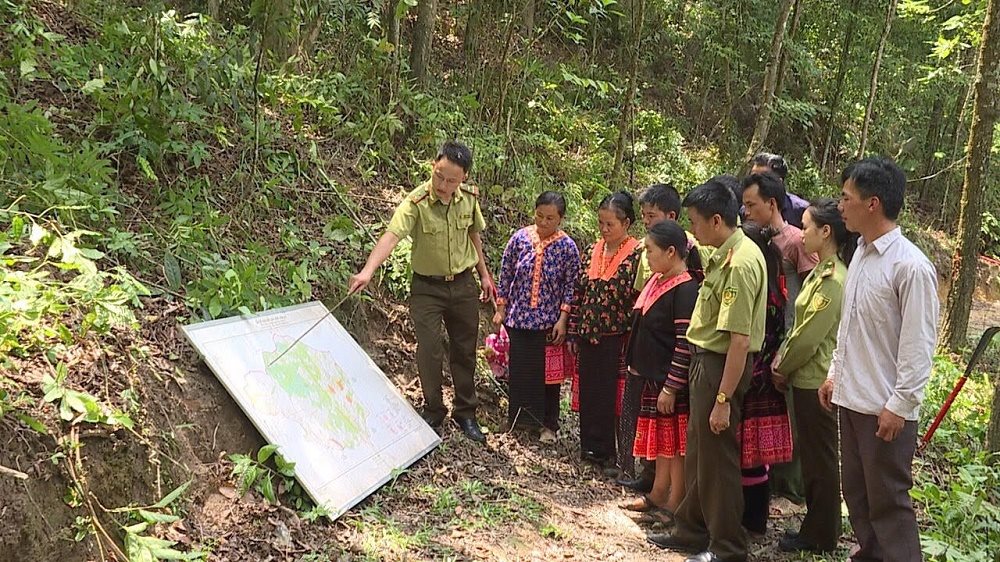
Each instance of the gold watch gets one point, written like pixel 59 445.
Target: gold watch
pixel 721 398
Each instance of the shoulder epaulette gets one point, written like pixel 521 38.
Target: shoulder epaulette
pixel 418 197
pixel 729 257
pixel 471 189
pixel 829 270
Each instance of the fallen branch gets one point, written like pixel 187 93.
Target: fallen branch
pixel 11 472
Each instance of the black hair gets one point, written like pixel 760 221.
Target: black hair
pixel 715 197
pixel 663 196
pixel 773 161
pixel 880 177
pixel 552 198
pixel 824 212
pixel 456 153
pixel 772 256
pixel 622 204
pixel 769 186
pixel 667 234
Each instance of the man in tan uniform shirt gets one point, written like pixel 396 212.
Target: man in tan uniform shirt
pixel 443 218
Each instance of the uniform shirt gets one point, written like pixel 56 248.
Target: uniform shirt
pixel 805 353
pixel 440 231
pixel 732 298
pixel 886 341
pixel 794 261
pixel 537 278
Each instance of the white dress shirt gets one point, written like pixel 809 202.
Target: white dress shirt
pixel 888 328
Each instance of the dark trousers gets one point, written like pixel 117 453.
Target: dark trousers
pixel 817 447
pixel 631 401
pixel 598 370
pixel 526 381
pixel 786 478
pixel 456 305
pixel 877 481
pixel 756 500
pixel 711 513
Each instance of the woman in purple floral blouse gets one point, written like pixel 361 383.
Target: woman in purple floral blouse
pixel 537 276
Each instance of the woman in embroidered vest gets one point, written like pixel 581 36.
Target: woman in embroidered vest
pixel 765 431
pixel 537 274
pixel 658 352
pixel 599 326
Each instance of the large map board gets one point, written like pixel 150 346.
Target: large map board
pixel 326 405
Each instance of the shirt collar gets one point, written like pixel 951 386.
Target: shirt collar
pixel 882 243
pixel 457 196
pixel 722 252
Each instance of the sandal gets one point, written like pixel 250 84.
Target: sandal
pixel 645 505
pixel 660 516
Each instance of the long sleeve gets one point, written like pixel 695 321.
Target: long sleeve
pixel 819 322
pixel 917 338
pixel 508 264
pixel 579 288
pixel 571 272
pixel 680 359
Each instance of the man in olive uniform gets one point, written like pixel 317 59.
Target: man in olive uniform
pixel 444 220
pixel 727 328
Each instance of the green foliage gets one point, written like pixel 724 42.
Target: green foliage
pixel 51 289
pixel 956 481
pixel 273 477
pixel 142 547
pixel 76 406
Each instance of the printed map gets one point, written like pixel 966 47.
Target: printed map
pixel 323 401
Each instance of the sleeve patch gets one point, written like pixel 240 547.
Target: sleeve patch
pixel 819 302
pixel 729 295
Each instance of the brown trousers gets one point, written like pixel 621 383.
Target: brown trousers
pixel 711 513
pixel 817 447
pixel 877 481
pixel 456 305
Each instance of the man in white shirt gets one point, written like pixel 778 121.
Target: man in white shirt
pixel 885 346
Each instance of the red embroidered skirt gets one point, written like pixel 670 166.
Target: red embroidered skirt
pixel 658 435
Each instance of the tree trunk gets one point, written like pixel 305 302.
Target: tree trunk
pixel 528 18
pixel 993 430
pixel 931 145
pixel 890 13
pixel 625 121
pixel 423 35
pixel 984 117
pixel 850 25
pixel 770 80
pixel 793 30
pixel 473 25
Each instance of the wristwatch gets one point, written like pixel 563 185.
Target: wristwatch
pixel 721 398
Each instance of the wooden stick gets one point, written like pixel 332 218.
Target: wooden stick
pixel 11 472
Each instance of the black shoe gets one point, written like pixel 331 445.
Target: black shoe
pixel 470 427
pixel 798 544
pixel 790 533
pixel 706 556
pixel 432 420
pixel 670 542
pixel 640 484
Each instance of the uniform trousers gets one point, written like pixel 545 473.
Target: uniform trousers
pixel 817 447
pixel 455 304
pixel 711 513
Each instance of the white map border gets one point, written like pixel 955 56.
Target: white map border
pixel 278 318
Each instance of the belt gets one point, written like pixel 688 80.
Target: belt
pixel 442 278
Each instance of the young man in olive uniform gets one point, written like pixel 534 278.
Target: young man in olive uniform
pixel 727 328
pixel 444 220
